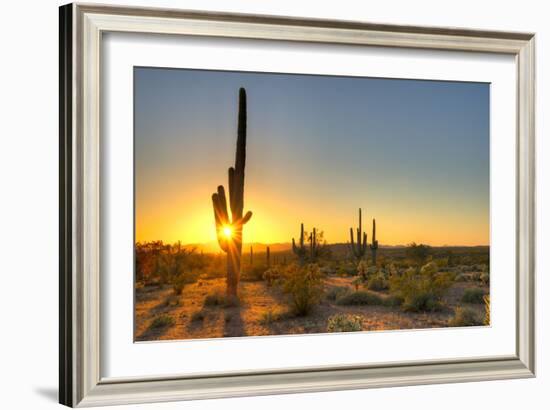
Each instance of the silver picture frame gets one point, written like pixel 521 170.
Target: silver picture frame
pixel 81 29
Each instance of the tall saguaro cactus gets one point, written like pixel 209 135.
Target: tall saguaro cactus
pixel 374 244
pixel 230 231
pixel 358 249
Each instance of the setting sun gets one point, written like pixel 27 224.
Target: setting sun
pixel 227 231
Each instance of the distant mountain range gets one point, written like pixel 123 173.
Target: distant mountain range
pixel 257 247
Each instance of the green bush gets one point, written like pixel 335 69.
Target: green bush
pixel 304 286
pixel 461 278
pixel 465 317
pixel 336 292
pixel 378 283
pixel 178 283
pixel 344 323
pixel 271 276
pixel 270 316
pixel 392 301
pixel 254 274
pixel 162 321
pixel 422 302
pixel 421 289
pixel 361 297
pixel 363 270
pixel 473 296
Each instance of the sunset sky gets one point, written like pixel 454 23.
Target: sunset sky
pixel 412 154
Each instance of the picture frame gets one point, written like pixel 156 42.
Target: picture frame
pixel 82 28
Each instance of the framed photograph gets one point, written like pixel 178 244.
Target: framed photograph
pixel 258 205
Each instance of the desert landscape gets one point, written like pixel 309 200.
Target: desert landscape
pixel 181 293
pixel 304 259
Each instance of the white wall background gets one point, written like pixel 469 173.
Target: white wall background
pixel 29 200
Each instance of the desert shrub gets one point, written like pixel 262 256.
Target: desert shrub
pixel 442 262
pixel 418 253
pixel 392 301
pixel 487 302
pixel 178 283
pixel 473 296
pixel 392 270
pixel 465 317
pixel 377 282
pixel 271 276
pixel 336 292
pixel 254 274
pixel 421 289
pixel 344 323
pixel 198 316
pixel 422 302
pixel 361 297
pixel 363 270
pixel 162 321
pixel 220 299
pixel 357 282
pixel 304 286
pixel 485 278
pixel 270 316
pixel 476 276
pixel 461 278
pixel 341 272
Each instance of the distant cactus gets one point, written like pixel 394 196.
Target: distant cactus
pixel 359 249
pixel 268 256
pixel 229 232
pixel 251 256
pixel 300 251
pixel 314 245
pixel 374 244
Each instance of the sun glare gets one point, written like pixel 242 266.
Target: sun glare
pixel 227 231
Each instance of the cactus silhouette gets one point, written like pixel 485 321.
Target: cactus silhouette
pixel 374 244
pixel 300 251
pixel 314 246
pixel 229 231
pixel 358 249
pixel 268 256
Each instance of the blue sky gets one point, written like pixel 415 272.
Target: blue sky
pixel 413 154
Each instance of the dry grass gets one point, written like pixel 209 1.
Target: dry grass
pixel 263 310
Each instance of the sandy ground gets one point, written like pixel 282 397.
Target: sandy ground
pixel 191 319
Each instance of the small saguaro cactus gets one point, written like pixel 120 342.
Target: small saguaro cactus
pixel 314 246
pixel 251 256
pixel 230 231
pixel 300 251
pixel 268 256
pixel 374 244
pixel 358 249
